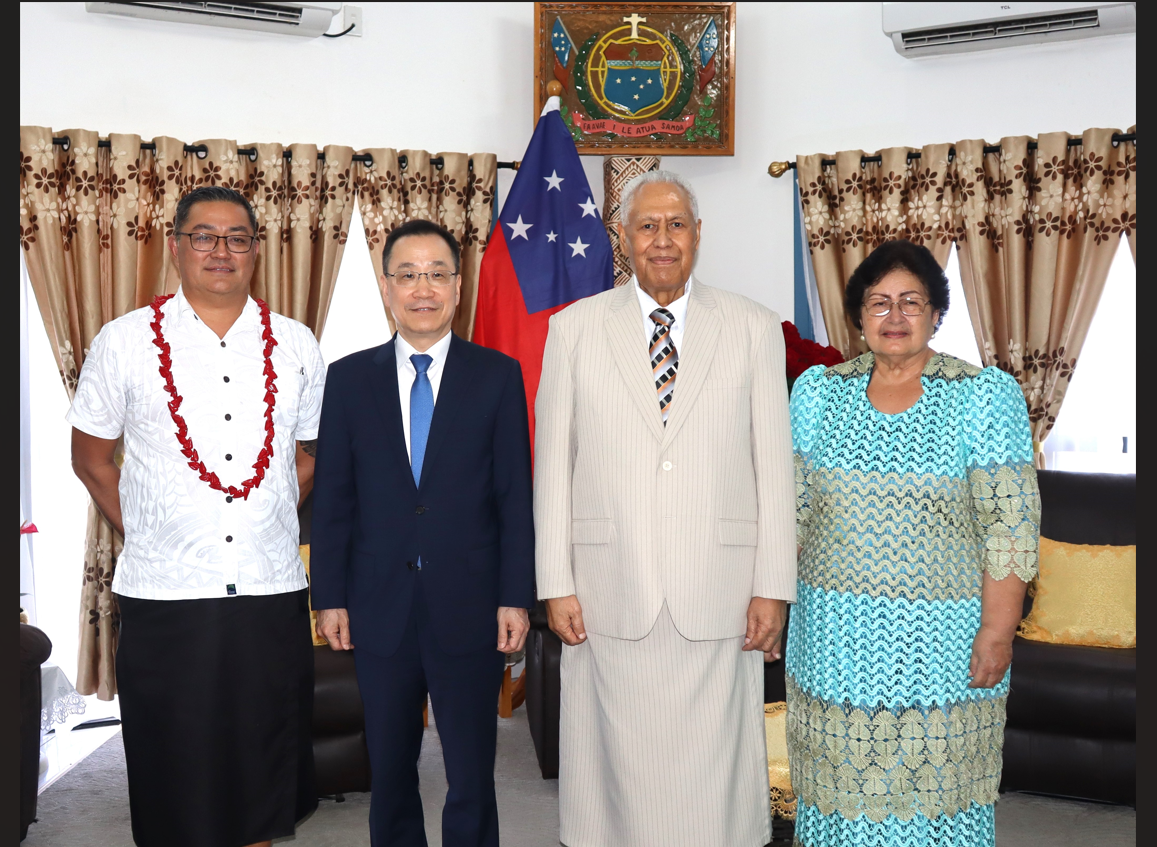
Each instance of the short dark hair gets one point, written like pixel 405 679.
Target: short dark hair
pixel 420 227
pixel 211 193
pixel 897 256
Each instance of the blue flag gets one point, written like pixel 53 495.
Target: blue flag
pixel 552 227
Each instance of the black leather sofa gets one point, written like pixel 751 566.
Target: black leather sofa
pixel 341 759
pixel 35 648
pixel 1072 711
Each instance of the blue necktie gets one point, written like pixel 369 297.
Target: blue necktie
pixel 421 413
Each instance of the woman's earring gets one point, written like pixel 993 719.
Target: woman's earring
pixel 862 337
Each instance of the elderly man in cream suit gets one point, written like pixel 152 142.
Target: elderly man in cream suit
pixel 664 508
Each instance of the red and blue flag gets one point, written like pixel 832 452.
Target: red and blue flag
pixel 548 249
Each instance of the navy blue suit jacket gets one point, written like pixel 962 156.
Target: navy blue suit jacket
pixel 470 520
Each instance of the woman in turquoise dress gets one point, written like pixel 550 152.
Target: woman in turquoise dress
pixel 918 520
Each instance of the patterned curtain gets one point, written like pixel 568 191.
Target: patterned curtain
pixel 1036 233
pixel 852 207
pixel 93 225
pixel 617 172
pixel 459 195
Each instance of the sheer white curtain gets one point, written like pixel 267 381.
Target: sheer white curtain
pixel 955 335
pixel 1099 416
pixel 58 500
pixel 356 319
pixel 27 574
pixel 1096 430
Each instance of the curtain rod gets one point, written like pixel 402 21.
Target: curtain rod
pixel 778 169
pixel 251 153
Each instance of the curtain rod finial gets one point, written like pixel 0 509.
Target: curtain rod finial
pixel 778 169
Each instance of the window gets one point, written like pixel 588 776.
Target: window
pixel 1096 431
pixel 955 336
pixel 59 500
pixel 356 318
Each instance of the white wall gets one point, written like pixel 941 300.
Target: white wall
pixel 812 77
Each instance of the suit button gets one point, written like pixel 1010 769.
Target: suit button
pixel 410 565
pixel 666 466
pixel 420 510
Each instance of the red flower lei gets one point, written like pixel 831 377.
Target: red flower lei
pixel 187 448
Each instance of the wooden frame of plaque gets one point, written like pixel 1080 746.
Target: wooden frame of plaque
pixel 640 79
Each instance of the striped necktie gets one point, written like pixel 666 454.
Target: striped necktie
pixel 664 359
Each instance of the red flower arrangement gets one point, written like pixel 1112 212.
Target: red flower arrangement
pixel 803 353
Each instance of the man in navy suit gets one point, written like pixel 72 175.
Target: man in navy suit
pixel 423 540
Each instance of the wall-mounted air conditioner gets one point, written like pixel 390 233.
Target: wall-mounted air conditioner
pixel 305 19
pixel 929 29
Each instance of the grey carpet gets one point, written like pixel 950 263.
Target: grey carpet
pixel 88 806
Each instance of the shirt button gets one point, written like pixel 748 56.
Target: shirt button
pixel 229 499
pixel 229 458
pixel 222 343
pixel 420 510
pixel 410 565
pixel 228 417
pixel 228 537
pixel 226 379
pixel 666 466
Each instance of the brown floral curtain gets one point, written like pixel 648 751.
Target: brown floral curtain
pixel 1037 231
pixel 459 195
pixel 853 206
pixel 93 226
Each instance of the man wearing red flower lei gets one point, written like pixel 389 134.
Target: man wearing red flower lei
pixel 218 401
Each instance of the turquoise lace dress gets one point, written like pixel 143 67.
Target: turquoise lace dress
pixel 899 516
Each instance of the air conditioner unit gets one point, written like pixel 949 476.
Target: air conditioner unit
pixel 929 29
pixel 305 19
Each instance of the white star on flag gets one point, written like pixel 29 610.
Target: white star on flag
pixel 550 236
pixel 518 229
pixel 579 248
pixel 588 208
pixel 555 181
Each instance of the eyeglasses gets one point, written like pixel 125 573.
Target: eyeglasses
pixel 408 279
pixel 910 307
pixel 206 242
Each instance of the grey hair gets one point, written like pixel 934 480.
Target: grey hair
pixel 627 198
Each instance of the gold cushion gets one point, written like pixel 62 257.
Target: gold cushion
pixel 318 641
pixel 1085 594
pixel 778 774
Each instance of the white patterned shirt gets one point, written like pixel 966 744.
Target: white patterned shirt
pixel 677 308
pixel 183 539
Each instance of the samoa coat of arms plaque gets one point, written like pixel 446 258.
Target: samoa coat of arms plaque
pixel 647 78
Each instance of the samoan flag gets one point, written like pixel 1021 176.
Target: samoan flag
pixel 562 45
pixel 550 248
pixel 708 46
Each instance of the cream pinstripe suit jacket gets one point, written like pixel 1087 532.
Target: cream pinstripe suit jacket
pixel 629 513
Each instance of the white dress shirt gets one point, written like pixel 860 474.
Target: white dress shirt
pixel 678 309
pixel 183 539
pixel 403 350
